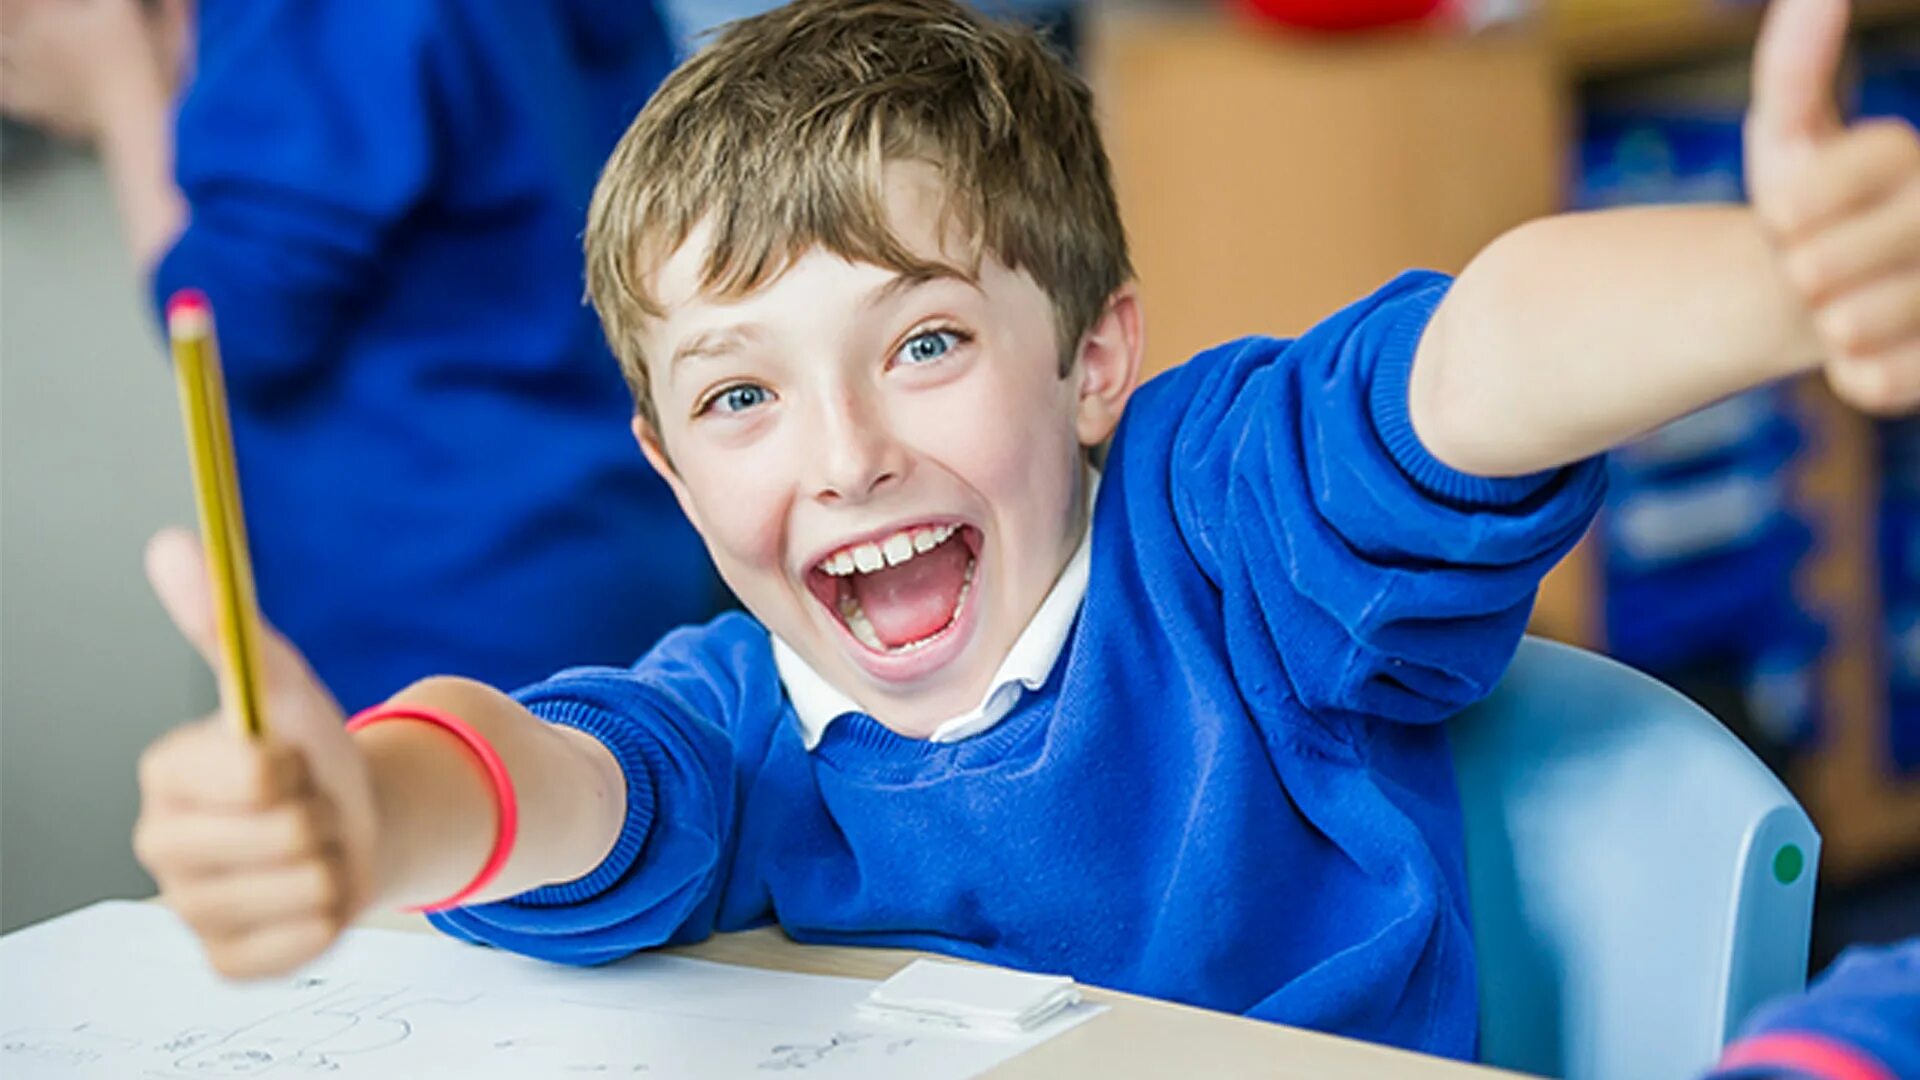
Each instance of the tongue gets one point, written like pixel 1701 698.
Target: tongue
pixel 915 599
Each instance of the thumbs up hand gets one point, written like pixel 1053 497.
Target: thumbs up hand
pixel 1842 205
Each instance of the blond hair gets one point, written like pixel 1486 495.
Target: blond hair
pixel 778 133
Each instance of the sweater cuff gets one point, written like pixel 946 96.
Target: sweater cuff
pixel 1393 423
pixel 631 748
pixel 1798 1055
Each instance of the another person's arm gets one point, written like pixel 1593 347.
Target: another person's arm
pixel 308 133
pixel 105 72
pixel 1571 335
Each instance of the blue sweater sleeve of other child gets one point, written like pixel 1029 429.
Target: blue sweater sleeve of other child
pixel 1383 583
pixel 385 203
pixel 1859 1021
pixel 305 140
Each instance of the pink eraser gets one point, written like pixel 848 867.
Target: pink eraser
pixel 185 300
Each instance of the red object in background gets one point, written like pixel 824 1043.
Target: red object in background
pixel 1341 14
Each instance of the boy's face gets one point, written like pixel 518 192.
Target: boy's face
pixel 887 471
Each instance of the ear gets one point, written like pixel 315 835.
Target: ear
pixel 1108 365
pixel 648 437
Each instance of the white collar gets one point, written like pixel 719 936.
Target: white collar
pixel 819 703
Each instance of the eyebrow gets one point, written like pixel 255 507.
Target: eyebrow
pixel 908 281
pixel 711 343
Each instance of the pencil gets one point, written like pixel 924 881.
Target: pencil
pixel 216 487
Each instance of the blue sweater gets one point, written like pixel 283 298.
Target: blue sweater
pixel 386 202
pixel 1233 791
pixel 1864 1012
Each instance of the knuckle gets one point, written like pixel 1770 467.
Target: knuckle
pixel 1809 271
pixel 1775 208
pixel 148 768
pixel 325 887
pixel 1844 331
pixel 259 780
pixel 194 906
pixel 146 847
pixel 232 962
pixel 299 833
pixel 1901 142
pixel 290 831
pixel 160 759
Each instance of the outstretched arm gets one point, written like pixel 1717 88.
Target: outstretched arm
pixel 1573 334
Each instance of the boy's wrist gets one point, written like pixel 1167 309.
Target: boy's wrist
pixel 1800 352
pixel 422 843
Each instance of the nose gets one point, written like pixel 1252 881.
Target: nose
pixel 856 454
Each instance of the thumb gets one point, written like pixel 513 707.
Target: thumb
pixel 177 569
pixel 178 573
pixel 1795 68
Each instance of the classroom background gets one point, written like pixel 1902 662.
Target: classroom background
pixel 1763 555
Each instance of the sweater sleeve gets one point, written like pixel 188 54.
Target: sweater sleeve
pixel 1386 584
pixel 671 723
pixel 307 135
pixel 1859 1021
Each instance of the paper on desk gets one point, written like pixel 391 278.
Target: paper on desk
pixel 119 989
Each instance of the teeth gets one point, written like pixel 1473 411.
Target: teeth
pixel 863 630
pixel 892 551
pixel 898 548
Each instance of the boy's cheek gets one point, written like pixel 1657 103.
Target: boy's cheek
pixel 739 513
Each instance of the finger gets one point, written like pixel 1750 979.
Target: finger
pixel 1853 250
pixel 208 765
pixel 228 905
pixel 1886 385
pixel 1876 317
pixel 1847 175
pixel 178 573
pixel 1796 64
pixel 271 950
pixel 195 842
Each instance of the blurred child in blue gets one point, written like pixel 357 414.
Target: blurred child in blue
pixel 384 204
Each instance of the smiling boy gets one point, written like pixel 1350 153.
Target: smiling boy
pixel 1173 727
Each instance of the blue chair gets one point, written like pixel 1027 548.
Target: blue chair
pixel 1638 880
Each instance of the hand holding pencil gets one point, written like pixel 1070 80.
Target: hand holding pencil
pixel 257 823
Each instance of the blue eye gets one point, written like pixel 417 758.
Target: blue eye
pixel 932 345
pixel 740 398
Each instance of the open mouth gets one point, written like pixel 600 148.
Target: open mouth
pixel 902 592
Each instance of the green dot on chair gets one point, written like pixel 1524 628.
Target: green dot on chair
pixel 1787 864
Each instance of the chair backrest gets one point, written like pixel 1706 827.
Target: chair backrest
pixel 1639 880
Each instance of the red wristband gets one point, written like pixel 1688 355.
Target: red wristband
pixel 504 802
pixel 1803 1053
